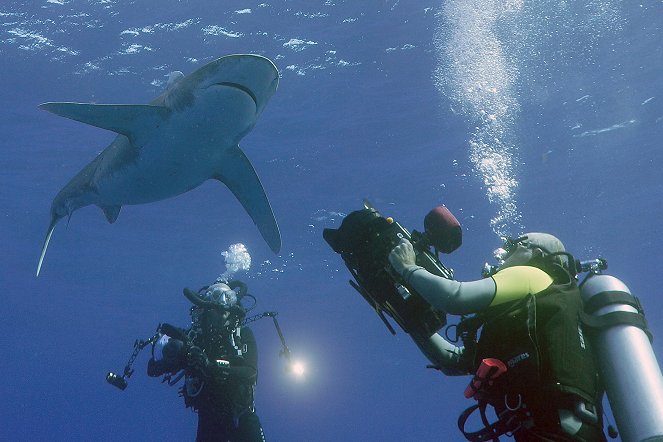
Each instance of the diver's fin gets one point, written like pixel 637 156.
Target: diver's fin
pixel 132 120
pixel 240 177
pixel 111 212
pixel 49 233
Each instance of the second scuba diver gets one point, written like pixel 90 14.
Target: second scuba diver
pixel 219 361
pixel 531 360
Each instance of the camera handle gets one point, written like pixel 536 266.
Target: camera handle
pixel 121 381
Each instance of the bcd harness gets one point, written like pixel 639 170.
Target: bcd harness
pixel 532 360
pixel 208 386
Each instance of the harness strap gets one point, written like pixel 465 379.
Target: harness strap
pixel 617 317
pixel 505 424
pixel 612 297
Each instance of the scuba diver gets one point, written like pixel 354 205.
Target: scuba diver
pixel 218 359
pixel 530 361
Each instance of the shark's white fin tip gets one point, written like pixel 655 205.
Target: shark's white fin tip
pixel 45 246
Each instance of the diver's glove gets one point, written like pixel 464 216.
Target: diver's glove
pixel 196 360
pixel 199 364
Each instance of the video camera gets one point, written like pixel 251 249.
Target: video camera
pixel 364 241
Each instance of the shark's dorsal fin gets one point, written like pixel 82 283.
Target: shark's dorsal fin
pixel 135 121
pixel 240 177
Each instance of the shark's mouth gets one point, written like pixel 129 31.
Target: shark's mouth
pixel 242 88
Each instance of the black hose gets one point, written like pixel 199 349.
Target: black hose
pixel 236 309
pixel 198 301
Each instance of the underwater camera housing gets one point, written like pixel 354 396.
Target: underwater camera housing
pixel 364 241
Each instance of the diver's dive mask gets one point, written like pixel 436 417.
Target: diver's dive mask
pixel 501 254
pixel 521 250
pixel 221 294
pixel 215 306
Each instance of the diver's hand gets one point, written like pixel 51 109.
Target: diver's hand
pixel 402 256
pixel 196 360
pixel 212 370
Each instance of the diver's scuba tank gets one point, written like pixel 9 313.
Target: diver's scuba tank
pixel 627 364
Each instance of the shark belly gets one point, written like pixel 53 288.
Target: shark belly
pixel 182 155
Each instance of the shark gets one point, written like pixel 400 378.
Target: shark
pixel 187 135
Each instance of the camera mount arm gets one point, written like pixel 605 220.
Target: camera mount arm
pixel 285 351
pixel 121 381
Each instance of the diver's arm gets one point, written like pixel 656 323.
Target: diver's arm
pixel 243 373
pixel 467 297
pixel 456 298
pixel 243 368
pixel 217 371
pixel 445 356
pixel 450 296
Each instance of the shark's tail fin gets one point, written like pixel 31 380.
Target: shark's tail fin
pixel 49 233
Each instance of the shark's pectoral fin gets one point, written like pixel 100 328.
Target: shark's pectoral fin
pixel 136 122
pixel 111 212
pixel 238 174
pixel 49 233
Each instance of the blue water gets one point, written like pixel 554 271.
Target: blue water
pixel 517 115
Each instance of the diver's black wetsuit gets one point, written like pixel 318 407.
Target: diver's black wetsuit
pixel 221 393
pixel 225 405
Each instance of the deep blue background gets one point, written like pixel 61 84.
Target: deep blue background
pixel 368 107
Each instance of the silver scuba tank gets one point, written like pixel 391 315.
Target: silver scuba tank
pixel 627 365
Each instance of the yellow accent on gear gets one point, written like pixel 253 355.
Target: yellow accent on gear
pixel 517 282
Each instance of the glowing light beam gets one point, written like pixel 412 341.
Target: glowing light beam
pixel 298 369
